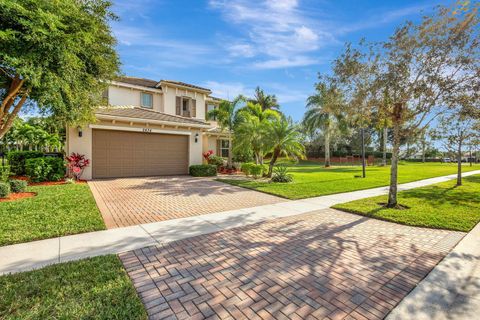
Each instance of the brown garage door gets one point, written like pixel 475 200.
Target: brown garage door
pixel 136 154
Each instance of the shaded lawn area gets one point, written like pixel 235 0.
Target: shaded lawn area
pixel 311 179
pixel 96 288
pixel 442 206
pixel 57 210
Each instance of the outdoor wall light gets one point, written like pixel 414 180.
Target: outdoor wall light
pixel 196 137
pixel 80 132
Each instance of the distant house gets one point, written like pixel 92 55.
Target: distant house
pixel 148 128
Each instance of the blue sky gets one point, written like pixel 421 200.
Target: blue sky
pixel 232 46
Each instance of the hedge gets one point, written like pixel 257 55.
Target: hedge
pixel 4 173
pixel 18 185
pixel 17 160
pixel 45 169
pixel 203 170
pixel 4 189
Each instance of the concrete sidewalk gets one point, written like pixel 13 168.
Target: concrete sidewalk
pixel 32 255
pixel 451 290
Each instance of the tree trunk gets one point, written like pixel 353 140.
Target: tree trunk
pixel 364 174
pixel 276 152
pixel 327 147
pixel 229 161
pixel 385 135
pixel 459 163
pixel 392 192
pixel 423 151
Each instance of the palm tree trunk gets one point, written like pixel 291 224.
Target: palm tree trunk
pixel 276 152
pixel 459 163
pixel 229 161
pixel 327 147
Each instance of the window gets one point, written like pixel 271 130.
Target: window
pixel 186 107
pixel 224 148
pixel 146 100
pixel 211 107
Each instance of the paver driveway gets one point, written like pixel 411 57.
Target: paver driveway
pixel 326 264
pixel 132 201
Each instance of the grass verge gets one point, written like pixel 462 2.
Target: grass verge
pixel 95 288
pixel 57 210
pixel 311 179
pixel 441 206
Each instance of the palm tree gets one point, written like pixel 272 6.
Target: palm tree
pixel 284 139
pixel 225 115
pixel 265 100
pixel 250 129
pixel 324 112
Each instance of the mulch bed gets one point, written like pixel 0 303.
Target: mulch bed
pixel 45 183
pixel 18 196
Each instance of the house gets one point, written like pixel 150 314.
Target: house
pixel 149 128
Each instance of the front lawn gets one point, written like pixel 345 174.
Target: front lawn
pixel 442 206
pixel 96 288
pixel 311 179
pixel 57 210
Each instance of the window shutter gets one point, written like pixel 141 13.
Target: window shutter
pixel 206 111
pixel 193 108
pixel 219 152
pixel 178 105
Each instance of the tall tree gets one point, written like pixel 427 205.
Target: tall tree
pixel 56 55
pixel 457 130
pixel 324 112
pixel 284 138
pixel 225 115
pixel 267 101
pixel 424 67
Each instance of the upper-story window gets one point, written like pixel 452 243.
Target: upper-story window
pixel 146 100
pixel 186 107
pixel 211 107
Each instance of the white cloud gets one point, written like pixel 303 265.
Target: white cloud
pixel 227 90
pixel 298 61
pixel 274 31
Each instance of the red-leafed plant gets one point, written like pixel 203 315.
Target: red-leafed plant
pixel 76 163
pixel 206 155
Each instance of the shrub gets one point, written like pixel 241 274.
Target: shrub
pixel 76 163
pixel 215 160
pixel 4 189
pixel 257 170
pixel 45 169
pixel 280 174
pixel 203 170
pixel 247 168
pixel 4 173
pixel 17 160
pixel 18 185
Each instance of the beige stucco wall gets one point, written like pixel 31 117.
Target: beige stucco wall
pixel 169 98
pixel 210 143
pixel 83 145
pixel 121 96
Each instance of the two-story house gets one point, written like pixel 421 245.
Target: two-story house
pixel 149 128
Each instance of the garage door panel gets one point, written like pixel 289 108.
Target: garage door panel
pixel 134 154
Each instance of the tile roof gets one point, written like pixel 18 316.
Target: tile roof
pixel 138 81
pixel 178 83
pixel 142 113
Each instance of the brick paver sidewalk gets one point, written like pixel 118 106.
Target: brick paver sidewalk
pixel 132 201
pixel 322 265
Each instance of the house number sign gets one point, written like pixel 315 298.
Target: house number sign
pixel 148 130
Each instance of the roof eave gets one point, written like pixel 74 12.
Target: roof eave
pixel 176 85
pixel 169 123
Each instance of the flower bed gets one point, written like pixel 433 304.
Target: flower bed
pixel 18 196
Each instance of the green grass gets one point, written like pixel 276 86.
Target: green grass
pixel 56 211
pixel 96 288
pixel 442 206
pixel 311 179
